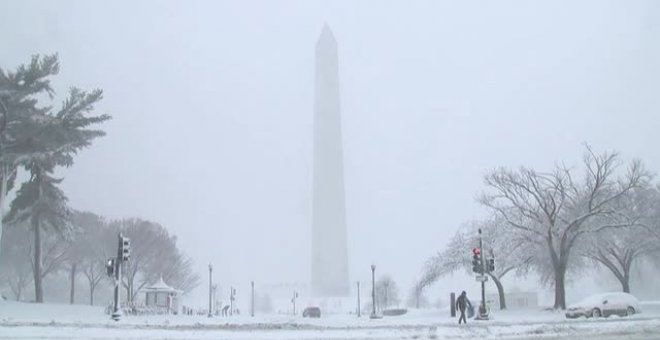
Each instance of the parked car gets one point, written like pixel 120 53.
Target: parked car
pixel 312 312
pixel 606 304
pixel 395 311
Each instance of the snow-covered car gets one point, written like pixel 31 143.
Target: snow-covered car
pixel 312 312
pixel 605 304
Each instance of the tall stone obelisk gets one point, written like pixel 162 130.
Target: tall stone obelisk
pixel 329 244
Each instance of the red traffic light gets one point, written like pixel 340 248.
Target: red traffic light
pixel 476 251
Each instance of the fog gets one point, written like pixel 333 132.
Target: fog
pixel 212 106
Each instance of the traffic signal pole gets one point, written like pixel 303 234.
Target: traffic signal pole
pixel 116 312
pixel 123 254
pixel 482 309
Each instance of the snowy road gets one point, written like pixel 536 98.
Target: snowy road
pixel 30 321
pixel 619 328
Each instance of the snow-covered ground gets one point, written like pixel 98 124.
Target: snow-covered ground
pixel 47 321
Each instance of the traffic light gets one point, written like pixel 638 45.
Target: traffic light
pixel 491 265
pixel 110 267
pixel 476 261
pixel 125 248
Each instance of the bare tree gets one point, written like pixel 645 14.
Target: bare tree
pixel 15 268
pixel 652 223
pixel 553 211
pixel 453 258
pixel 54 252
pixel 387 292
pixel 17 261
pixel 145 237
pixel 154 254
pixel 417 299
pixel 97 243
pixel 509 250
pixel 72 259
pixel 619 249
pixel 180 273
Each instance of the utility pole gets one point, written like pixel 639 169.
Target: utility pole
pixel 210 290
pixel 252 304
pixel 232 292
pixel 373 292
pixel 358 295
pixel 215 300
pixel 293 300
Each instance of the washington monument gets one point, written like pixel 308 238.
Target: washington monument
pixel 329 245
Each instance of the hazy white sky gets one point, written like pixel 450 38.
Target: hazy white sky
pixel 212 113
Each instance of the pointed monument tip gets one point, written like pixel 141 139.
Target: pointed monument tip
pixel 326 32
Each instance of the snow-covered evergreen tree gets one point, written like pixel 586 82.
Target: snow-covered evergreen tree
pixel 20 115
pixel 41 202
pixel 53 139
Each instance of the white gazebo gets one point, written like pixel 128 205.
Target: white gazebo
pixel 162 297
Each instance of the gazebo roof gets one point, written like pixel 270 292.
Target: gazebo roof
pixel 160 286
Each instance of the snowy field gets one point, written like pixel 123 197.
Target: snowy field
pixel 49 321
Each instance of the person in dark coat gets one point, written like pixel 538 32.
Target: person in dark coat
pixel 461 303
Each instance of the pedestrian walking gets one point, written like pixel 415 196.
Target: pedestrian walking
pixel 461 303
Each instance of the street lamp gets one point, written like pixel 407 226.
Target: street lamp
pixel 232 297
pixel 373 291
pixel 210 290
pixel 252 301
pixel 358 296
pixel 293 300
pixel 215 299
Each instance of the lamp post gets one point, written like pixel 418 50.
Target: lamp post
pixel 215 298
pixel 373 291
pixel 232 297
pixel 358 296
pixel 210 290
pixel 293 300
pixel 252 301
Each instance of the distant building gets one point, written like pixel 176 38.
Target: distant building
pixel 514 300
pixel 280 295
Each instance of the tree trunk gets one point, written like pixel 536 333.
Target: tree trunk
pixel 91 294
pixel 3 197
pixel 626 287
pixel 626 279
pixel 36 270
pixel 128 294
pixel 72 295
pixel 500 290
pixel 560 289
pixel 18 293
